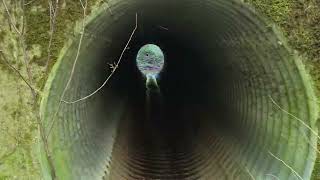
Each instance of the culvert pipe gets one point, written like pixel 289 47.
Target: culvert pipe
pixel 236 102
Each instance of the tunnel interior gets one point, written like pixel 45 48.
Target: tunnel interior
pixel 226 91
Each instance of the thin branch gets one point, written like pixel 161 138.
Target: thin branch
pixel 29 2
pixel 292 170
pixel 251 176
pixel 273 176
pixel 164 28
pixel 23 46
pixel 114 68
pixel 23 17
pixel 53 11
pixel 295 117
pixel 10 18
pixel 16 70
pixel 110 11
pixel 84 6
pixel 26 61
pixel 305 136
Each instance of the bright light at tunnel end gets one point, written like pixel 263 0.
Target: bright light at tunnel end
pixel 150 60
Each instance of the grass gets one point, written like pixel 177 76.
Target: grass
pixel 299 21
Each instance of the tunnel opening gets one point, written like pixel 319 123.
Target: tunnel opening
pixel 216 116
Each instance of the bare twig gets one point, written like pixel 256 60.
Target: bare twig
pixel 295 117
pixel 273 176
pixel 23 17
pixel 164 28
pixel 18 72
pixel 114 67
pixel 84 7
pixel 53 11
pixel 292 170
pixel 29 2
pixel 307 139
pixel 12 22
pixel 305 136
pixel 109 9
pixel 251 176
pixel 22 44
pixel 26 61
pixel 29 83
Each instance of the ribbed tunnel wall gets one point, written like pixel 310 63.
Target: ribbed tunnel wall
pixel 226 77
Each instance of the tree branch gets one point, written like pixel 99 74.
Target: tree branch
pixel 53 11
pixel 84 7
pixel 114 67
pixel 292 170
pixel 29 83
pixel 13 23
pixel 17 71
pixel 295 117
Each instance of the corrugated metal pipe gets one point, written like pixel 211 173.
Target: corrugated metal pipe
pixel 235 102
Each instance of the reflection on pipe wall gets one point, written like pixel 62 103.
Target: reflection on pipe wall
pixel 235 101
